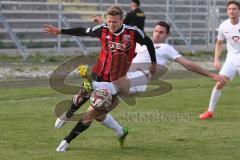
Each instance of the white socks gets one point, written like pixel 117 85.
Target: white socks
pixel 214 99
pixel 111 123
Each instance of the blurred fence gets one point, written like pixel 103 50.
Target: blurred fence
pixel 194 22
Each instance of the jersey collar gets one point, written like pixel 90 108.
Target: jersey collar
pixel 120 30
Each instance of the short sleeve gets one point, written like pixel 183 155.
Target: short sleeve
pixel 220 33
pixel 171 53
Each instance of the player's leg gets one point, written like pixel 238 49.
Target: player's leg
pixel 138 81
pixel 108 121
pixel 77 101
pixel 92 113
pixel 228 71
pixel 111 123
pixel 80 127
pixel 133 83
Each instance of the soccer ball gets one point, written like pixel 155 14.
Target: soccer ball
pixel 101 99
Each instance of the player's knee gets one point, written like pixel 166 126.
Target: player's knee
pixel 87 120
pixel 77 99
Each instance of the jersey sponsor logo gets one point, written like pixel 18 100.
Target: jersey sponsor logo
pixel 235 38
pixel 114 46
pixel 124 46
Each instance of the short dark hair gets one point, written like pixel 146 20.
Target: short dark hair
pixel 233 2
pixel 114 11
pixel 136 1
pixel 164 24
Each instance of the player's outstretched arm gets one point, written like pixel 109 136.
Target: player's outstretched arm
pixel 50 29
pixel 79 31
pixel 189 65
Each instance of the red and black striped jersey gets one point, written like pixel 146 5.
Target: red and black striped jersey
pixel 118 49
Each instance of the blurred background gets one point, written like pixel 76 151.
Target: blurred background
pixel 28 57
pixel 194 23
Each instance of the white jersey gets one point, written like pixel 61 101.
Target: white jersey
pixel 138 79
pixel 231 33
pixel 164 53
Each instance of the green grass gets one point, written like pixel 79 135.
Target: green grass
pixel 27 126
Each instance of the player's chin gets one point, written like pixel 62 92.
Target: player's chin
pixel 112 30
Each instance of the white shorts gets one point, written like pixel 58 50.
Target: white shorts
pixel 138 82
pixel 230 69
pixel 105 85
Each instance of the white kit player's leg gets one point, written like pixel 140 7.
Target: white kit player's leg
pixel 138 81
pixel 111 123
pixel 214 99
pixel 121 132
pixel 228 71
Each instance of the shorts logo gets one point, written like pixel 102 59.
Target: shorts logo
pixel 235 38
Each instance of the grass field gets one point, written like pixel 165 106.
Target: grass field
pixel 27 126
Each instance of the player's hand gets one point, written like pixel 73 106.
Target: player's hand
pixel 97 19
pixel 217 64
pixel 50 29
pixel 153 68
pixel 218 78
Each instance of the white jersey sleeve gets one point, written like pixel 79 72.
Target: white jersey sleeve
pixel 165 53
pixel 171 53
pixel 220 33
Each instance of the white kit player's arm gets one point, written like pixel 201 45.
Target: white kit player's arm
pixel 217 54
pixel 218 47
pixel 197 69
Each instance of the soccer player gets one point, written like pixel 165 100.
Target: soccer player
pixel 229 30
pixel 118 49
pixel 164 53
